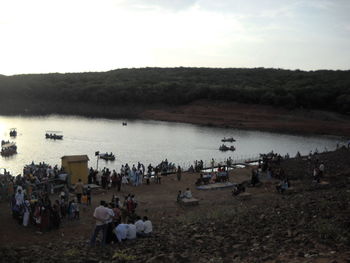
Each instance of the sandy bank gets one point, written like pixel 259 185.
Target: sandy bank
pixel 254 117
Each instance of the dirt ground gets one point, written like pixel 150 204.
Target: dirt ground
pixel 157 201
pixel 257 117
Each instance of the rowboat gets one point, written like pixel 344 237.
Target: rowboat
pixel 225 148
pixel 107 157
pixel 8 149
pixel 53 136
pixel 13 132
pixel 228 139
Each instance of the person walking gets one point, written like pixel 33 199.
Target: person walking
pixel 79 190
pixel 178 173
pixel 88 194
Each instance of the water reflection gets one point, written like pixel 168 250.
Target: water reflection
pixel 145 141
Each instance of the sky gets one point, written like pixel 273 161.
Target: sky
pixel 42 36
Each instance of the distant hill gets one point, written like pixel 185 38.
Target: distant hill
pixel 323 89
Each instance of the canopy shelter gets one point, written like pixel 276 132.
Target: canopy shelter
pixel 77 168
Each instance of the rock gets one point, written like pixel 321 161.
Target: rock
pixel 301 254
pixel 157 259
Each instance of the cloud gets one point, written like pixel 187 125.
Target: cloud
pixel 80 35
pixel 170 5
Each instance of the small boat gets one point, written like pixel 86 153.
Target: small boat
pixel 225 148
pixel 53 135
pixel 125 123
pixel 8 149
pixel 107 157
pixel 13 132
pixel 4 142
pixel 228 139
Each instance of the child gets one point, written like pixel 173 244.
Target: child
pixel 75 210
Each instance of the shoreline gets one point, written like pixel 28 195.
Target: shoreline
pixel 206 113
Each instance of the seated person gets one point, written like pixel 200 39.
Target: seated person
pixel 282 186
pixel 121 232
pixel 148 226
pixel 206 178
pixel 140 226
pixel 179 196
pixel 200 180
pixel 213 179
pixel 225 177
pixel 187 194
pixel 131 233
pixel 239 188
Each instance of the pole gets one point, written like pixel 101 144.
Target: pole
pixel 98 157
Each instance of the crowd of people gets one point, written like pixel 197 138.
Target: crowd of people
pixel 41 212
pixel 198 165
pixel 134 175
pixel 213 177
pixel 29 195
pixel 36 179
pixel 270 164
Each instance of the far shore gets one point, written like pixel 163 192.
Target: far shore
pixel 208 113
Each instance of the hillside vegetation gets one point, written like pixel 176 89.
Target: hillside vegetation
pixel 325 90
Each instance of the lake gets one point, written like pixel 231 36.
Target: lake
pixel 144 141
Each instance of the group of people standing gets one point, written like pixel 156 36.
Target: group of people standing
pixel 134 175
pixel 115 227
pixel 40 212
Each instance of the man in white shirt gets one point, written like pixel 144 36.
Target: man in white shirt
pixel 140 226
pixel 101 215
pixel 148 226
pixel 121 232
pixel 131 234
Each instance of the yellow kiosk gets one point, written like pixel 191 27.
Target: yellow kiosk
pixel 77 167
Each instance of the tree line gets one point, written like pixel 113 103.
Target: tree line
pixel 322 89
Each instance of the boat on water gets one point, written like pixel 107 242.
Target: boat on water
pixel 230 139
pixel 107 156
pixel 225 148
pixel 8 149
pixel 4 142
pixel 53 136
pixel 125 123
pixel 13 132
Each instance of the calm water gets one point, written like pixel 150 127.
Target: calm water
pixel 145 141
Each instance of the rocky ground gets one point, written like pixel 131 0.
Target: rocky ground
pixel 309 224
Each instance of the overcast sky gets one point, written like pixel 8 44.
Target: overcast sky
pixel 39 36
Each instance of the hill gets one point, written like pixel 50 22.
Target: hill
pixel 324 89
